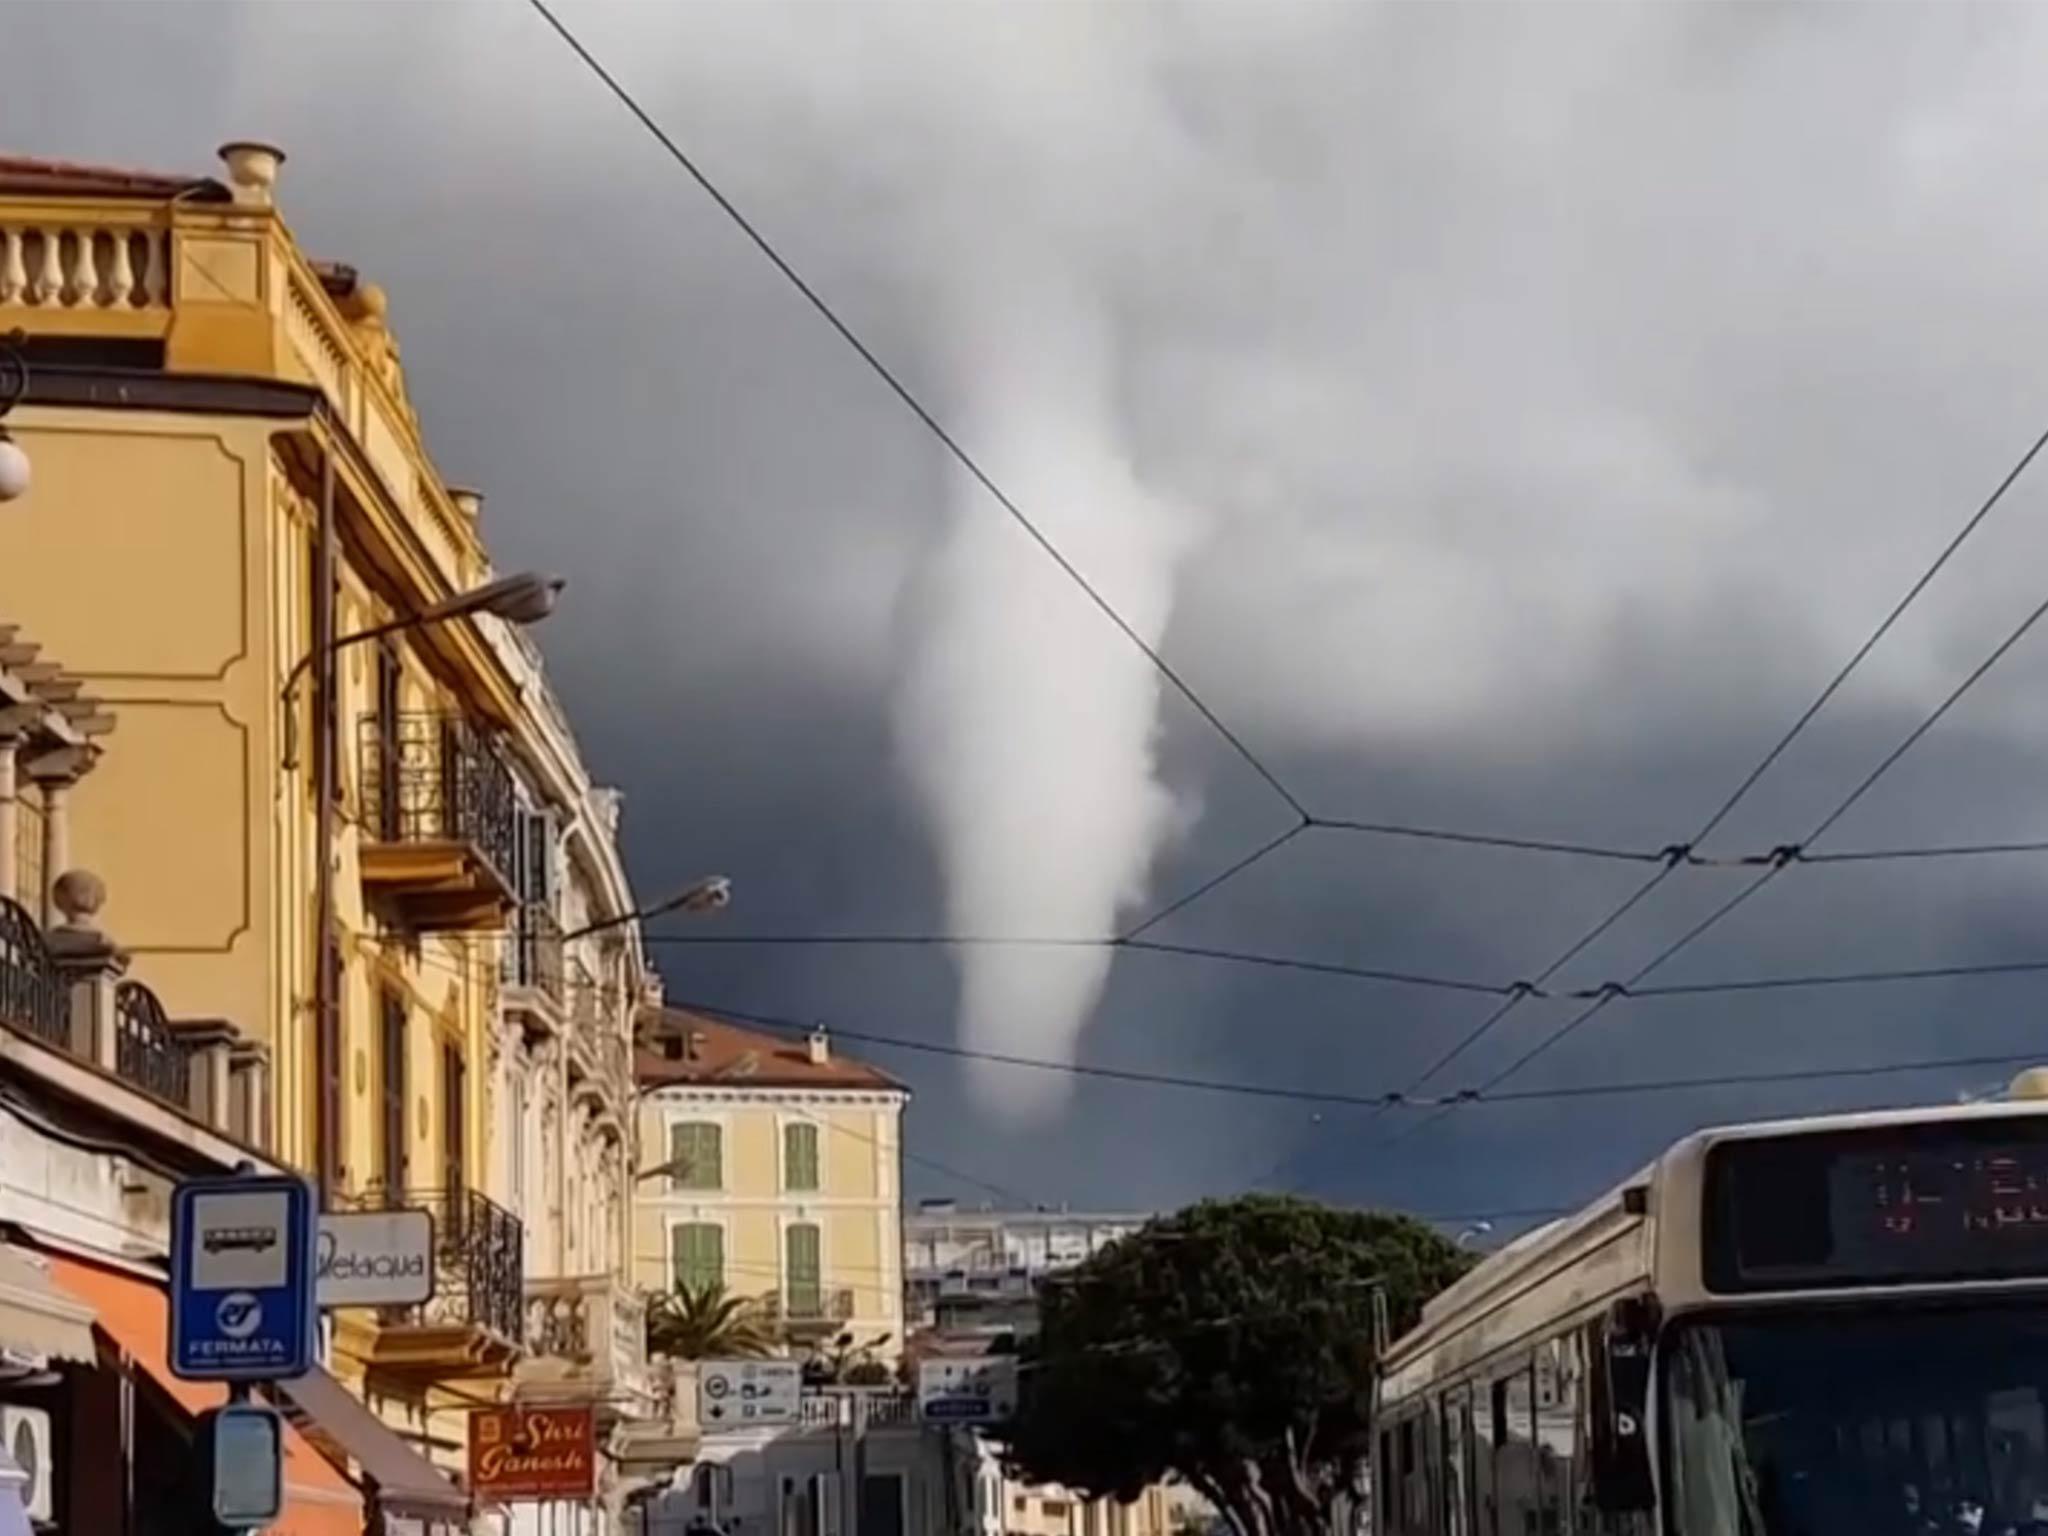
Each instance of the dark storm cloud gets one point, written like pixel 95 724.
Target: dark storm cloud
pixel 1550 399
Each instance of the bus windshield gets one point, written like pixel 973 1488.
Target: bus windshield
pixel 1872 1423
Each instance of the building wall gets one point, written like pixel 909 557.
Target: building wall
pixel 143 559
pixel 857 1207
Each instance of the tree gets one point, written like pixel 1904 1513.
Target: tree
pixel 704 1323
pixel 1230 1345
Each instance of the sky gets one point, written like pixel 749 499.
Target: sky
pixel 1502 417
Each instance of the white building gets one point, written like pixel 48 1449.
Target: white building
pixel 978 1270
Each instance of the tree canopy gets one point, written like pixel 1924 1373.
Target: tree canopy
pixel 705 1323
pixel 1230 1345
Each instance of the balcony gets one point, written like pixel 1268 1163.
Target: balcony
pixel 586 1339
pixel 533 972
pixel 799 1313
pixel 475 1324
pixel 70 1001
pixel 439 817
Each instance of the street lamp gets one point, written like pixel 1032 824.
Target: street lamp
pixel 1477 1230
pixel 14 468
pixel 525 598
pixel 713 893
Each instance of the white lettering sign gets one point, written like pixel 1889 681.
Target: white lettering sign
pixel 375 1259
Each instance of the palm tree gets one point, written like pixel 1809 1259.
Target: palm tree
pixel 705 1323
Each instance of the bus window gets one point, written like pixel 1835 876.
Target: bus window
pixel 1514 1461
pixel 1404 1513
pixel 1556 1395
pixel 1457 1479
pixel 1486 1433
pixel 1383 1485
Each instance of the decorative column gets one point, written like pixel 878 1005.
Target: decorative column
pixel 10 807
pixel 54 774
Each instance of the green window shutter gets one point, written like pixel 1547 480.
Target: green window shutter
pixel 695 1151
pixel 803 1270
pixel 800 1155
pixel 699 1255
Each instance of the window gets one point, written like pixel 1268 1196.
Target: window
pixel 1457 1478
pixel 391 1159
pixel 389 762
pixel 800 1155
pixel 803 1278
pixel 696 1151
pixel 454 1124
pixel 1515 1477
pixel 1383 1482
pixel 698 1251
pixel 1556 1435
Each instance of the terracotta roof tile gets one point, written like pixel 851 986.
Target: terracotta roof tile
pixel 727 1055
pixel 20 174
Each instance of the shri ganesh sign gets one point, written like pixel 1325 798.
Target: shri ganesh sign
pixel 532 1453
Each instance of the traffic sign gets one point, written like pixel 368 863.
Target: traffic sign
pixel 242 1268
pixel 981 1389
pixel 738 1394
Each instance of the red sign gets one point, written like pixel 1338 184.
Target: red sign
pixel 532 1453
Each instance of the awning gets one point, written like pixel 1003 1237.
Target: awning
pixel 35 1318
pixel 135 1314
pixel 408 1484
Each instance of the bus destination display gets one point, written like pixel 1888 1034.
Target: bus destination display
pixel 1890 1206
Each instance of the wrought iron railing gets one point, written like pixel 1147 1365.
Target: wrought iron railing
pixel 479 1278
pixel 147 1052
pixel 435 778
pixel 32 994
pixel 533 952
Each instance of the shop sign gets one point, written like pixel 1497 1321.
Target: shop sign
pixel 532 1453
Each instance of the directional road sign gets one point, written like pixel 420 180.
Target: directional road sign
pixel 242 1268
pixel 739 1394
pixel 981 1389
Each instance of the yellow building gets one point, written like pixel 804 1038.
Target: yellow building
pixel 772 1167
pixel 230 485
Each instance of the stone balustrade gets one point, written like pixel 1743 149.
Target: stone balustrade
pixel 110 264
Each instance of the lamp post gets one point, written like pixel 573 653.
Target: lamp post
pixel 713 893
pixel 525 598
pixel 14 467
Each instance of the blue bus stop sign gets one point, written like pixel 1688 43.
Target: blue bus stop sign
pixel 242 1298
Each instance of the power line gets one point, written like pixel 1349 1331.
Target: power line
pixel 1378 1101
pixel 1870 644
pixel 1130 935
pixel 916 407
pixel 1781 857
pixel 1778 866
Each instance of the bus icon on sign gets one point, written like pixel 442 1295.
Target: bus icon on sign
pixel 244 1239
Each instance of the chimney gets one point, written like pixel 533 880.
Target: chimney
pixel 672 1047
pixel 821 1047
pixel 252 171
pixel 693 1046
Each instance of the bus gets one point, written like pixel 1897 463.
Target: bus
pixel 1835 1326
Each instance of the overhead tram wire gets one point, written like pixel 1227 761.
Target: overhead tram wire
pixel 1778 866
pixel 917 408
pixel 1304 819
pixel 795 1027
pixel 1688 850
